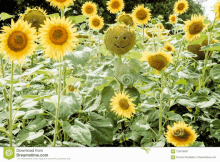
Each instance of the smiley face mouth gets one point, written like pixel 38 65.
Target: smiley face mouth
pixel 121 47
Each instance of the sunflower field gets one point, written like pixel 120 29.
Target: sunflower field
pixel 63 83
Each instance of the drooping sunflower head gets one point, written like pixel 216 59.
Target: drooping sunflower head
pixel 115 6
pixel 150 32
pixel 57 36
pixel 18 40
pixel 122 105
pixel 89 9
pixel 60 3
pixel 217 10
pixel 120 39
pixel 96 22
pixel 141 14
pixel 169 47
pixel 173 18
pixel 157 60
pixel 126 19
pixel 70 88
pixel 161 26
pixel 180 134
pixel 180 6
pixel 35 17
pixel 194 26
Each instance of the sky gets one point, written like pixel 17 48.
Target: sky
pixel 209 5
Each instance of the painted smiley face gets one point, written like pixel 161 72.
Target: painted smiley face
pixel 120 39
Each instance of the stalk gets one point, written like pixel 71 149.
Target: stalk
pixel 10 106
pixel 3 76
pixel 161 102
pixel 143 33
pixel 180 48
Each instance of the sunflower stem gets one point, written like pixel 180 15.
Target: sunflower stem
pixel 180 48
pixel 161 102
pixel 143 33
pixel 58 106
pixel 10 106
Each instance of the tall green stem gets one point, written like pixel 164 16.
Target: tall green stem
pixel 161 103
pixel 180 48
pixel 58 106
pixel 143 33
pixel 3 76
pixel 10 106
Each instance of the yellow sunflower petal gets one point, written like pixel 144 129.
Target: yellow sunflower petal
pixel 115 6
pixel 96 22
pixel 89 9
pixel 60 3
pixel 141 14
pixel 180 6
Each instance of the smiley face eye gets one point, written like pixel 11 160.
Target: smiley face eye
pixel 116 37
pixel 124 38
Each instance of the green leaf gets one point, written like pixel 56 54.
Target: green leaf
pixel 174 116
pixel 199 41
pixel 178 36
pixel 77 19
pixel 73 80
pixel 107 94
pixel 147 86
pixel 187 103
pixel 101 129
pixel 38 123
pixel 206 103
pixel 197 144
pixel 216 123
pixel 211 47
pixel 56 15
pixel 135 54
pixel 188 54
pixel 133 93
pixel 27 135
pixel 78 132
pixel 5 16
pixel 30 114
pixel 181 81
pixel 140 125
pixel 103 50
pixel 80 56
pixel 215 73
pixel 95 104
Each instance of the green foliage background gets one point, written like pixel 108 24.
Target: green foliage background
pixel 158 7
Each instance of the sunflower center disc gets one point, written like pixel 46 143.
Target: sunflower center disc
pixel 58 35
pixel 96 22
pixel 60 0
pixel 168 49
pixel 89 9
pixel 115 5
pixel 126 19
pixel 158 62
pixel 17 41
pixel 35 17
pixel 141 15
pixel 173 19
pixel 195 28
pixel 181 6
pixel 123 104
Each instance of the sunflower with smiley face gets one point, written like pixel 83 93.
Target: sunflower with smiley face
pixel 120 39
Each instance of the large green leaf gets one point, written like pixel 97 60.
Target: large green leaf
pixel 133 93
pixel 107 94
pixel 101 129
pixel 77 19
pixel 5 16
pixel 38 123
pixel 78 132
pixel 80 56
pixel 211 47
pixel 215 73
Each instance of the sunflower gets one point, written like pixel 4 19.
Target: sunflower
pixel 169 47
pixel 96 22
pixel 120 39
pixel 34 16
pixel 141 15
pixel 194 26
pixel 180 134
pixel 181 6
pixel 161 26
pixel 89 9
pixel 217 10
pixel 150 32
pixel 56 36
pixel 60 3
pixel 157 60
pixel 18 40
pixel 126 19
pixel 173 18
pixel 115 6
pixel 70 88
pixel 122 105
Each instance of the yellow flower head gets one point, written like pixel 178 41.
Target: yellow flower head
pixel 96 22
pixel 194 26
pixel 217 10
pixel 120 39
pixel 89 9
pixel 173 18
pixel 57 36
pixel 70 88
pixel 157 60
pixel 180 134
pixel 180 6
pixel 60 3
pixel 115 6
pixel 141 15
pixel 18 40
pixel 34 16
pixel 150 32
pixel 126 19
pixel 169 47
pixel 122 105
pixel 161 26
